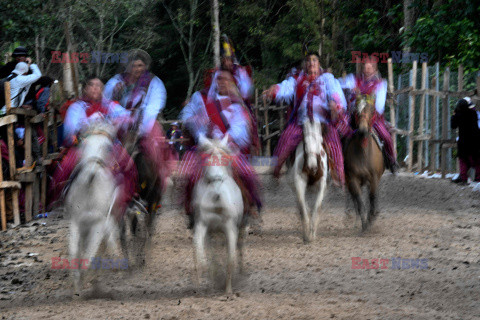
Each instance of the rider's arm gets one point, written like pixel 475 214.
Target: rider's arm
pixel 347 82
pixel 153 103
pixel 381 96
pixel 239 127
pixel 194 116
pixel 109 87
pixel 75 119
pixel 244 83
pixel 285 90
pixel 335 92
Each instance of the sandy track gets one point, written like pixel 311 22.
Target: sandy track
pixel 284 279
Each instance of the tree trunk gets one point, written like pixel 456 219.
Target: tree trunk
pixel 216 33
pixel 408 18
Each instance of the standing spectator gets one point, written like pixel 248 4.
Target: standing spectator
pixel 20 82
pixel 42 95
pixel 175 133
pixel 18 55
pixel 465 118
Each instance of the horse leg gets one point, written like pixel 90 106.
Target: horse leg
pixel 74 254
pixel 317 207
pixel 95 238
pixel 242 233
pixel 356 193
pixel 373 201
pixel 301 188
pixel 199 238
pixel 232 240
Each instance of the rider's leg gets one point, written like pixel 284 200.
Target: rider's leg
pixel 384 135
pixel 334 152
pixel 246 172
pixel 63 172
pixel 190 170
pixel 287 144
pixel 126 175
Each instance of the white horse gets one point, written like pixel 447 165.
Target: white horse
pixel 310 169
pixel 218 206
pixel 91 197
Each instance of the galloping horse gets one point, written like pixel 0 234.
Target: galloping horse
pixel 218 205
pixel 90 200
pixel 364 162
pixel 310 169
pixel 140 223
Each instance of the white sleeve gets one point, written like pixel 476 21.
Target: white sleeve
pixel 109 87
pixel 194 116
pixel 244 83
pixel 286 90
pixel 116 111
pixel 75 119
pixel 335 92
pixel 31 78
pixel 348 82
pixel 238 126
pixel 154 102
pixel 381 97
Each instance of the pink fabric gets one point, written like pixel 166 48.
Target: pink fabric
pixel 120 163
pixel 465 164
pixel 381 129
pixel 191 169
pixel 157 150
pixel 293 135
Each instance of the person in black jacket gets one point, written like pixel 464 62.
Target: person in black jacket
pixel 465 118
pixel 19 55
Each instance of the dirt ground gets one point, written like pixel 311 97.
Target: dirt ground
pixel 284 278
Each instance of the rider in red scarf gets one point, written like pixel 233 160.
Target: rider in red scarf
pixel 214 113
pixel 369 83
pixel 92 106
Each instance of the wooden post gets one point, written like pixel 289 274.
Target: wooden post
pixel 392 102
pixel 43 192
pixel 433 128
pixel 28 162
pixel 460 88
pixel 445 114
pixel 259 127
pixel 11 156
pixel 421 119
pixel 3 207
pixel 267 127
pixel 412 116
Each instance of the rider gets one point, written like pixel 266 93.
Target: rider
pixel 91 106
pixel 370 83
pixel 214 113
pixel 317 96
pixel 137 89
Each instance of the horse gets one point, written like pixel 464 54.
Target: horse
pixel 310 169
pixel 138 225
pixel 364 163
pixel 90 199
pixel 218 206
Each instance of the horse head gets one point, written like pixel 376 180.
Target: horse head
pixel 96 141
pixel 313 140
pixel 216 158
pixel 364 111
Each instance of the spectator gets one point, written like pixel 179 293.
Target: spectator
pixel 42 95
pixel 465 118
pixel 175 133
pixel 18 55
pixel 20 82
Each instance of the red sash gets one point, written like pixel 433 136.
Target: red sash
pixel 94 107
pixel 214 113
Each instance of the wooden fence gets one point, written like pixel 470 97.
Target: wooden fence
pixel 429 96
pixel 32 176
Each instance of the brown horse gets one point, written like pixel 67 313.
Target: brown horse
pixel 364 164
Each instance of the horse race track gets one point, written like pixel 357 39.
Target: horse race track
pixel 284 279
